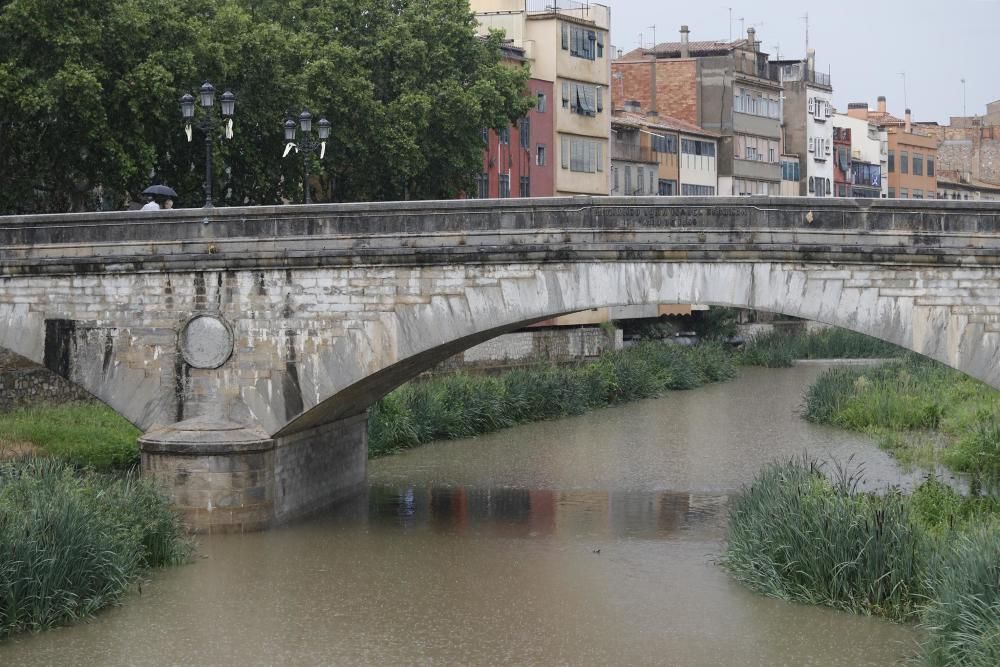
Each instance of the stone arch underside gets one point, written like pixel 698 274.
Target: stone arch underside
pixel 937 312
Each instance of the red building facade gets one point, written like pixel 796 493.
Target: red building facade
pixel 841 162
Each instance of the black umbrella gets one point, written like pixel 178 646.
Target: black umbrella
pixel 159 190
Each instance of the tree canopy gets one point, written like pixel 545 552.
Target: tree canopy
pixel 89 89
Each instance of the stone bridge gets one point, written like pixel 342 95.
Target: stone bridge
pixel 248 343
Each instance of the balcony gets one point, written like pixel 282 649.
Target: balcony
pixel 632 153
pixel 586 11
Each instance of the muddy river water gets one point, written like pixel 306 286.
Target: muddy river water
pixel 584 541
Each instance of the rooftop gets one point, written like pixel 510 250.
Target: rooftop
pixel 668 123
pixel 673 49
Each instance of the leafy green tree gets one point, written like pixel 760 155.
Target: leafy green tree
pixel 88 90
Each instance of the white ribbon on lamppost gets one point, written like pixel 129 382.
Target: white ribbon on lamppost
pixel 288 148
pixel 322 149
pixel 229 129
pixel 187 132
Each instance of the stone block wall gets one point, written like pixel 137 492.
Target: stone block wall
pixel 23 384
pixel 535 346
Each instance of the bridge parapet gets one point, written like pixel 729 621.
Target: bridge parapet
pixel 435 232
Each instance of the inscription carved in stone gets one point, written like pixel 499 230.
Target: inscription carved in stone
pixel 206 342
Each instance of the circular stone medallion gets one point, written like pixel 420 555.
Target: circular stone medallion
pixel 206 342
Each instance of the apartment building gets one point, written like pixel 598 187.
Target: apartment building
pixel 910 169
pixel 724 88
pixel 566 43
pixel 807 107
pixel 683 156
pixel 866 156
pixel 517 160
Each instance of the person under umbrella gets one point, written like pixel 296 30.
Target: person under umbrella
pixel 158 197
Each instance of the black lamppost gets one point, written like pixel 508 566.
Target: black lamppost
pixel 207 123
pixel 307 144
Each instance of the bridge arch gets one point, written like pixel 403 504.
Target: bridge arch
pixel 414 337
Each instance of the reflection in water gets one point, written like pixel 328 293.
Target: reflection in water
pixel 539 513
pixel 581 541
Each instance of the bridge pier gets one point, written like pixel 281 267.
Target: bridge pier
pixel 227 477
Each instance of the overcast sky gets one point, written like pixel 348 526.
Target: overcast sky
pixel 863 44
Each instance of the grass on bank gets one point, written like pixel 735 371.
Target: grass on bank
pixel 920 410
pixel 72 542
pixel 463 405
pixel 778 350
pixel 84 434
pixel 934 556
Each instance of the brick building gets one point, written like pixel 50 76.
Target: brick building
pixel 969 149
pixel 725 88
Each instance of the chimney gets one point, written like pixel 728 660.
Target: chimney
pixel 906 125
pixel 881 103
pixel 752 38
pixel 685 52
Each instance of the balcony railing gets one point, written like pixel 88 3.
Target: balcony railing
pixel 557 6
pixel 632 153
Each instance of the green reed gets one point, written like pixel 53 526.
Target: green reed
pixel 464 405
pixel 73 542
pixel 796 535
pixel 902 401
pixel 777 349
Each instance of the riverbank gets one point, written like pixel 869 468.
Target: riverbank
pixel 73 542
pixel 463 405
pixel 922 412
pixel 933 556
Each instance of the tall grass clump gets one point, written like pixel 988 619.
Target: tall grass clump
pixel 903 401
pixel 777 349
pixel 85 434
pixel 462 405
pixel 73 542
pixel 962 620
pixel 795 534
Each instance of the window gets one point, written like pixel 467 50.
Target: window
pixel 667 188
pixel 755 103
pixel 812 184
pixel 696 147
pixel 757 149
pixel 524 132
pixel 790 171
pixel 652 181
pixel 525 189
pixel 892 161
pixel 742 186
pixel 483 186
pixel 841 190
pixel 930 166
pixel 697 190
pixel 917 194
pixel 918 165
pixel 582 42
pixel 541 103
pixel 614 180
pixel 892 193
pixel 484 134
pixel 640 180
pixel 505 135
pixel 540 155
pixel 582 98
pixel 664 143
pixel 904 193
pixel 628 180
pixel 582 155
pixel 904 162
pixel 504 185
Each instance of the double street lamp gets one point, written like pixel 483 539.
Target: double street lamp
pixel 207 124
pixel 307 144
